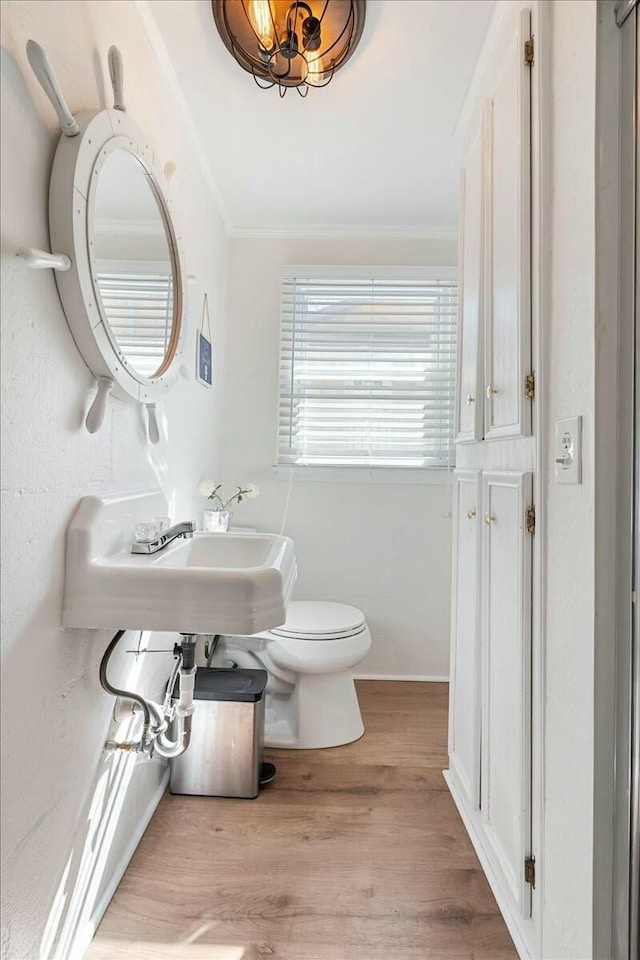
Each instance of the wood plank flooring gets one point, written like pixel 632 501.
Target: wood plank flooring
pixel 354 853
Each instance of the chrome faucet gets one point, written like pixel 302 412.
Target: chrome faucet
pixel 185 529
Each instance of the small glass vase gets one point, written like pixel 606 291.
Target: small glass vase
pixel 216 521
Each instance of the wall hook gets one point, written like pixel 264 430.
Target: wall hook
pixel 117 78
pixel 41 260
pixel 49 83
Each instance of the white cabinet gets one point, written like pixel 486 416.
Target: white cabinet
pixel 494 328
pixel 470 393
pixel 506 679
pixel 464 703
pixel 494 772
pixel 490 696
pixel 508 243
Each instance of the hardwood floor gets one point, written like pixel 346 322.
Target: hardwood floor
pixel 354 853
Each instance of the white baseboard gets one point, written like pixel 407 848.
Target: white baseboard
pixel 418 678
pixel 507 915
pixel 100 908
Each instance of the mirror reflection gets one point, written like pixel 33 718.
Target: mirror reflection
pixel 133 264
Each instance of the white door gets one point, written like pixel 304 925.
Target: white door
pixel 469 393
pixel 464 707
pixel 508 243
pixel 506 669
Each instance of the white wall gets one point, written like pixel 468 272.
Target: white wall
pixel 567 860
pixel 385 547
pixel 62 798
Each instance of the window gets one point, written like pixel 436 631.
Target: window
pixel 367 369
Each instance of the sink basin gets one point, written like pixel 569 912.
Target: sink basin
pixel 233 551
pixel 234 583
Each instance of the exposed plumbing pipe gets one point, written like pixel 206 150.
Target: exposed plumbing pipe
pixel 163 746
pixel 168 749
pixel 215 640
pixel 155 740
pixel 127 694
pixel 171 682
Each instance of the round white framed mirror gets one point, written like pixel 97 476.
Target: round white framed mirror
pixel 124 295
pixel 132 253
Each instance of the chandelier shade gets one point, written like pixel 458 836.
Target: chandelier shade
pixel 290 43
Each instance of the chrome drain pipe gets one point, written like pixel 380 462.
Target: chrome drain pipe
pixel 184 709
pixel 168 749
pixel 154 739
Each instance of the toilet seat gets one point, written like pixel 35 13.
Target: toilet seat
pixel 314 620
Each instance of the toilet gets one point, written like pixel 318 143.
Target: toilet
pixel 311 699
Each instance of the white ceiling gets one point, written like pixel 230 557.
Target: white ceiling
pixel 374 150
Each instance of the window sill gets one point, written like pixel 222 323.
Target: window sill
pixel 335 474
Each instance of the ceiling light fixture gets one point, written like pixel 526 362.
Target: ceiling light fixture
pixel 290 44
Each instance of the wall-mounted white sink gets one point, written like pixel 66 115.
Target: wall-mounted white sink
pixel 214 583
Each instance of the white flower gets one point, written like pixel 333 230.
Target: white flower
pixel 252 491
pixel 206 488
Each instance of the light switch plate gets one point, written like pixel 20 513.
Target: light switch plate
pixel 568 450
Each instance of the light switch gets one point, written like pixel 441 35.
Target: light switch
pixel 568 450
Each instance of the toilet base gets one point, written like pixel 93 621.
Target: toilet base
pixel 323 711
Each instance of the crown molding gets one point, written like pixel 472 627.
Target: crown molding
pixel 302 231
pixel 159 47
pixel 345 232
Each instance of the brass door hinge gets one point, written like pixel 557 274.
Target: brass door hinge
pixel 530 871
pixel 531 520
pixel 530 386
pixel 528 52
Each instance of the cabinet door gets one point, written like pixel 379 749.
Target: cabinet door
pixel 506 688
pixel 508 244
pixel 469 412
pixel 464 707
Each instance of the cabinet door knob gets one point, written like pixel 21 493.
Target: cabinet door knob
pixel 489 518
pixel 471 513
pixel 491 391
pixel 470 399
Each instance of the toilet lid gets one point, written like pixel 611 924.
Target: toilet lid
pixel 320 620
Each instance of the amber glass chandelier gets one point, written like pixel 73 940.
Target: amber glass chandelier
pixel 290 44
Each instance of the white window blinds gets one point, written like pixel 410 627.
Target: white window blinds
pixel 367 371
pixel 140 312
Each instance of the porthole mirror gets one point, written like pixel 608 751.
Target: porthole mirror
pixel 115 249
pixel 133 263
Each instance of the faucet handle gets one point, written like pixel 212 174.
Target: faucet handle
pixel 146 531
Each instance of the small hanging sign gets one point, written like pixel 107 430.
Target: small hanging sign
pixel 204 372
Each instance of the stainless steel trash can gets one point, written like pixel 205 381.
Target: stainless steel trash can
pixel 224 757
